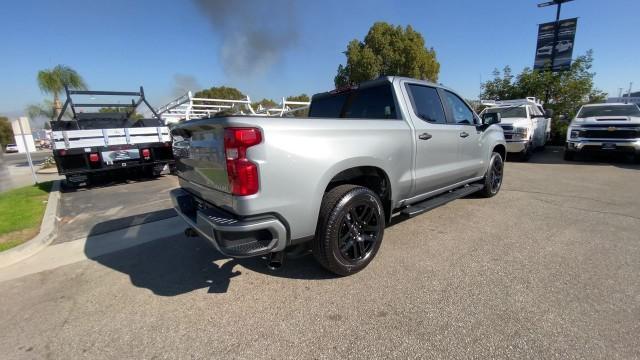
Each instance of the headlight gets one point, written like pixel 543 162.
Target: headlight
pixel 521 132
pixel 574 134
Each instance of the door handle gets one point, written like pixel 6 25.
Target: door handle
pixel 424 136
pixel 464 134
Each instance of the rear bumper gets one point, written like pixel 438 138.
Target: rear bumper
pixel 128 165
pixel 231 235
pixel 629 146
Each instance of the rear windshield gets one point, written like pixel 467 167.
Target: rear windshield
pixel 609 110
pixel 513 112
pixel 374 102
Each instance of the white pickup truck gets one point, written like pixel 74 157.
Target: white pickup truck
pixel 608 128
pixel 98 143
pixel 526 124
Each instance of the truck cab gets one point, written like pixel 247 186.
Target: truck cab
pixel 526 124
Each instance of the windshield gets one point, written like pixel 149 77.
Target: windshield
pixel 609 110
pixel 514 112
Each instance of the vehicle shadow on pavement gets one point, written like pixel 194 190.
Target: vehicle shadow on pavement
pixel 177 265
pixel 554 156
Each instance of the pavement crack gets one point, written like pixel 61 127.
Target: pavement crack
pixel 589 210
pixel 561 195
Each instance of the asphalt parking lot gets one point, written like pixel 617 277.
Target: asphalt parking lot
pixel 549 268
pixel 111 205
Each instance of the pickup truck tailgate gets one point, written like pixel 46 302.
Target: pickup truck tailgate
pixel 202 168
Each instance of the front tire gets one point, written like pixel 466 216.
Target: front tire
pixel 493 177
pixel 569 155
pixel 350 229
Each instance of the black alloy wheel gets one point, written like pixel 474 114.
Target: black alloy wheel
pixel 493 177
pixel 359 231
pixel 350 229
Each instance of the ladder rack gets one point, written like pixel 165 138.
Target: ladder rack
pixel 187 107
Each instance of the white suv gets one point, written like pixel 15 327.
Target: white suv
pixel 11 148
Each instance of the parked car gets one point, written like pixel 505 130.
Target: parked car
pixel 564 45
pixel 526 124
pixel 11 148
pixel 610 127
pixel 545 50
pixel 389 147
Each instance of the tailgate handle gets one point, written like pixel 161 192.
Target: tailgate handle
pixel 424 136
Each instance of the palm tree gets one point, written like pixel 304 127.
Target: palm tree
pixel 53 81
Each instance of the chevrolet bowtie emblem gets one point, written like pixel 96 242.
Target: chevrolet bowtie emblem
pixel 611 128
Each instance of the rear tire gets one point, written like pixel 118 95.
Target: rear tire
pixel 493 178
pixel 350 229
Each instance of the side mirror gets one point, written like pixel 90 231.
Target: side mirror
pixel 548 113
pixel 490 118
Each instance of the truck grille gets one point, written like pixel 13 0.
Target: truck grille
pixel 607 134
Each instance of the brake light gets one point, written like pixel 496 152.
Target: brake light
pixel 146 154
pixel 242 173
pixel 94 157
pixel 62 152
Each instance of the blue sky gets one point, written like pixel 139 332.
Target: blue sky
pixel 120 45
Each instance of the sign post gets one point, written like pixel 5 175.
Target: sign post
pixel 26 147
pixel 556 43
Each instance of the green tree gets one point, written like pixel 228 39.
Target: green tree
pixel 501 87
pixel 44 110
pixel 564 91
pixel 301 97
pixel 388 50
pixel 52 81
pixel 134 116
pixel 220 92
pixel 6 132
pixel 265 103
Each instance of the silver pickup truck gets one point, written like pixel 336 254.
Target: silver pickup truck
pixel 392 146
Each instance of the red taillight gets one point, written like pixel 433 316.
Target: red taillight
pixel 146 154
pixel 62 152
pixel 242 173
pixel 94 157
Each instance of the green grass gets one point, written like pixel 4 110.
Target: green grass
pixel 21 212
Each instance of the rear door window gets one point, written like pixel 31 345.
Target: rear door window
pixel 426 103
pixel 375 102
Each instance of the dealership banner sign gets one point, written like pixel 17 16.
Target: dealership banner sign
pixel 563 46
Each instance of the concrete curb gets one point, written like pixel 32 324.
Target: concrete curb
pixel 52 170
pixel 48 232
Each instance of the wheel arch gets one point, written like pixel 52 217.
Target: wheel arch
pixel 500 149
pixel 372 177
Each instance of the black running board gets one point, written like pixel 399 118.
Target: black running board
pixel 434 202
